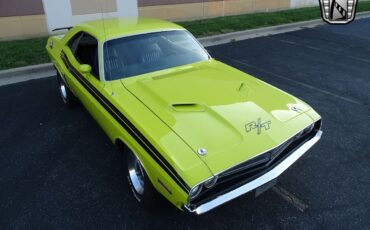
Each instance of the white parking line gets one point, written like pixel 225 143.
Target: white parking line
pixel 318 49
pixel 290 198
pixel 296 82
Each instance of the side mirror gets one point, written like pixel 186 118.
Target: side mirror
pixel 85 69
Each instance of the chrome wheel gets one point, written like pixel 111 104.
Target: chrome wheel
pixel 136 174
pixel 139 182
pixel 67 96
pixel 63 91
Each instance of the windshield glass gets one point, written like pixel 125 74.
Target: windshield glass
pixel 144 53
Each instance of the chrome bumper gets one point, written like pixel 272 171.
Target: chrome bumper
pixel 270 175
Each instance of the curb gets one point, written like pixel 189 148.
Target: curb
pixel 21 74
pixel 265 31
pixel 259 32
pixel 26 70
pixel 17 75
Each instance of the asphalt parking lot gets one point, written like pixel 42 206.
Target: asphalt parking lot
pixel 58 170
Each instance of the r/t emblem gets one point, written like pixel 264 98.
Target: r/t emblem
pixel 257 125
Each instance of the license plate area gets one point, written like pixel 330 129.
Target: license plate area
pixel 263 188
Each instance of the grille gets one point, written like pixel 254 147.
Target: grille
pixel 255 167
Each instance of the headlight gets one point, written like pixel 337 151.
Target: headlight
pixel 305 131
pixel 211 182
pixel 194 192
pixel 309 128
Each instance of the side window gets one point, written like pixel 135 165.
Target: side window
pixel 85 50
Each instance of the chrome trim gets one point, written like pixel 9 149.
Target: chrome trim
pixel 270 175
pixel 219 173
pixel 136 173
pixel 276 146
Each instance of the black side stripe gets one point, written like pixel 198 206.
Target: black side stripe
pixel 126 124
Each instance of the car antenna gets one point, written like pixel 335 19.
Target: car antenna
pixel 103 54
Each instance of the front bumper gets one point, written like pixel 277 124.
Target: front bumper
pixel 251 185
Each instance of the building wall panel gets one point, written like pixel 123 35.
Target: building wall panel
pixel 170 2
pixel 19 27
pixel 10 8
pixel 82 7
pixel 209 9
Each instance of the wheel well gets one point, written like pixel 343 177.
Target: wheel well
pixel 57 70
pixel 120 145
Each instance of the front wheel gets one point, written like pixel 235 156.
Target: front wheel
pixel 65 93
pixel 141 186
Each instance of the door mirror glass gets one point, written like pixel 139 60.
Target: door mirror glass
pixel 85 69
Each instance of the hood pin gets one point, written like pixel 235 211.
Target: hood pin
pixel 202 151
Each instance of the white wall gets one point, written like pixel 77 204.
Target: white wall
pixel 59 13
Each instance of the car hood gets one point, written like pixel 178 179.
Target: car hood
pixel 213 106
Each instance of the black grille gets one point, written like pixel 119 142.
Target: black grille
pixel 251 169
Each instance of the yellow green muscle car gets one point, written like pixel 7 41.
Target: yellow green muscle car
pixel 191 128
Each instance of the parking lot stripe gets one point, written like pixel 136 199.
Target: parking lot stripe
pixel 318 49
pixel 291 80
pixel 290 198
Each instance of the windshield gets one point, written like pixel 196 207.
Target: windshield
pixel 144 53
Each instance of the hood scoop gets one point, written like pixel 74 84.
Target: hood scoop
pixel 188 107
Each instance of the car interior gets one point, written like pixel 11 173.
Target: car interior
pixel 139 54
pixel 85 49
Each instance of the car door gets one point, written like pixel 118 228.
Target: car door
pixel 93 93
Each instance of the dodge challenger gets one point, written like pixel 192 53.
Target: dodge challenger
pixel 191 128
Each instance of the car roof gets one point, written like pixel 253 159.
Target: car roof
pixel 106 29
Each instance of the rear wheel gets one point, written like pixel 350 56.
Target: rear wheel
pixel 141 186
pixel 67 96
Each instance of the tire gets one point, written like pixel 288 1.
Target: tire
pixel 65 93
pixel 140 185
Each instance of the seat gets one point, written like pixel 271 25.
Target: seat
pixel 151 53
pixel 114 64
